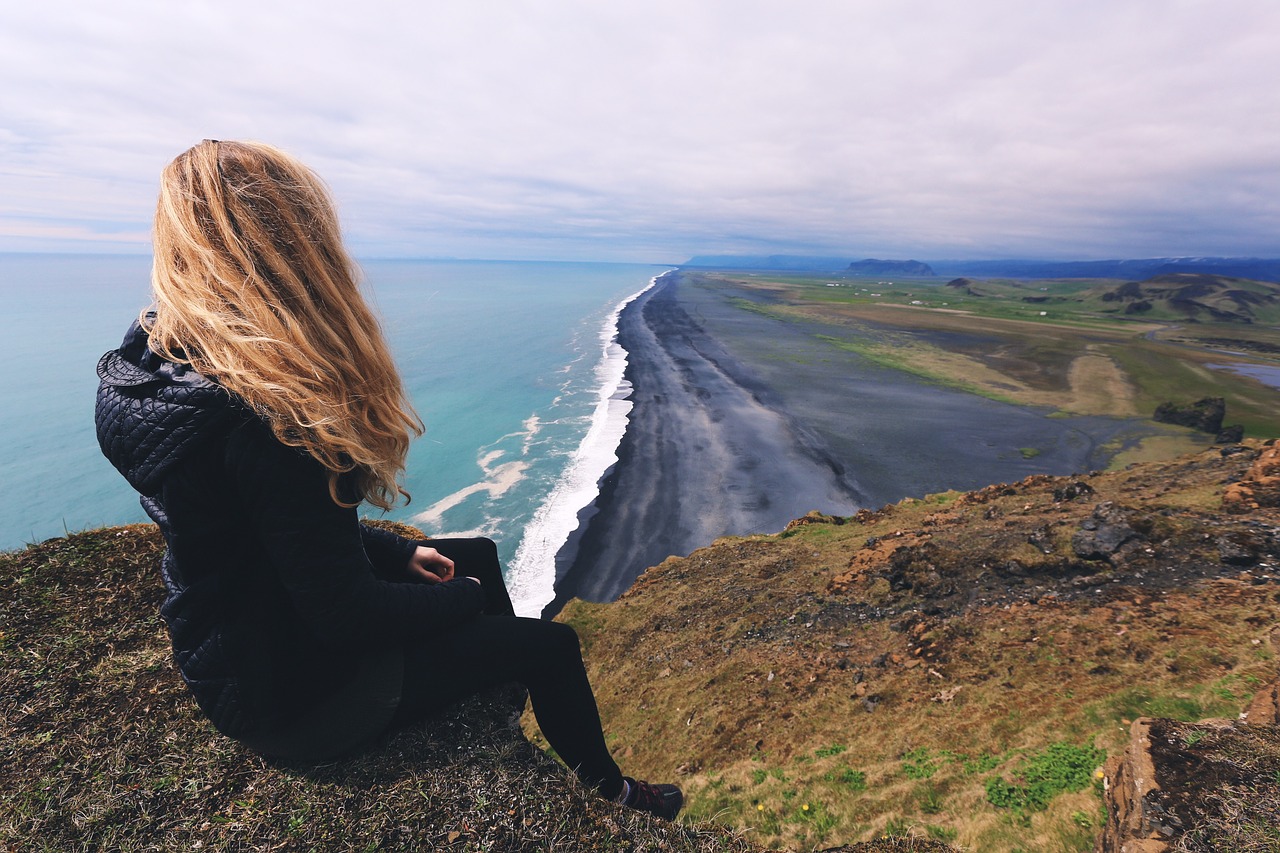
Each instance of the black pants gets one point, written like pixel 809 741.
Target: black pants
pixel 499 647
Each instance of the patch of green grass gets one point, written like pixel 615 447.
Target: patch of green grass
pixel 984 763
pixel 929 799
pixel 1132 702
pixel 941 833
pixel 1041 776
pixel 919 764
pixel 854 779
pixel 897 827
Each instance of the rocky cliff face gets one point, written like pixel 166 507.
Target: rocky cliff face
pixel 1207 786
pixel 1259 488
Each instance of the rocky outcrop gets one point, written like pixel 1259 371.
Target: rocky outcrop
pixel 1230 434
pixel 103 748
pixel 1129 779
pixel 1105 535
pixel 967 286
pixel 1207 786
pixel 1260 487
pixel 1205 414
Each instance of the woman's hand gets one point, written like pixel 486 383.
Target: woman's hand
pixel 430 565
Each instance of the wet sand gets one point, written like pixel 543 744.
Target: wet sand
pixel 742 422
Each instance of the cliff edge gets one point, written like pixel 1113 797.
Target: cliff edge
pixel 957 668
pixel 963 670
pixel 101 748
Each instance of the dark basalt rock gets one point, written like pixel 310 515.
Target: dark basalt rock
pixel 1104 534
pixel 1230 434
pixel 1205 414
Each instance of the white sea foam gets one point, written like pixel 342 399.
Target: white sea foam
pixel 498 480
pixel 532 573
pixel 532 425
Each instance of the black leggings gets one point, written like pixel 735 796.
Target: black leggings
pixel 500 647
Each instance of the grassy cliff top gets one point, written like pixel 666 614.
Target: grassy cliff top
pixel 955 668
pixel 952 670
pixel 101 748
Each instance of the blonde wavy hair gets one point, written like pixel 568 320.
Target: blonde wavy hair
pixel 254 290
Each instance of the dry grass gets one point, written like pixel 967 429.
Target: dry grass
pixel 1099 387
pixel 103 750
pixel 771 673
pixel 1223 783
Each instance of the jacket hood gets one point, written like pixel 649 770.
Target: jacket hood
pixel 151 412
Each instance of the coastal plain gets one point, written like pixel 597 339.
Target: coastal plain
pixel 758 397
pixel 1090 347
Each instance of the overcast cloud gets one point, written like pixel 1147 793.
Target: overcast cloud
pixel 650 131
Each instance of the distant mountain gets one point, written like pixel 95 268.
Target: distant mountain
pixel 1258 269
pixel 768 262
pixel 874 266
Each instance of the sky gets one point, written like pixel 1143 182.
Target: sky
pixel 655 130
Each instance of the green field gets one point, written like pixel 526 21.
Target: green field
pixel 1081 346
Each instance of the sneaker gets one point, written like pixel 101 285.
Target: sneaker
pixel 665 801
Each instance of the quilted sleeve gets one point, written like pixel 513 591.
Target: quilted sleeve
pixel 388 552
pixel 317 547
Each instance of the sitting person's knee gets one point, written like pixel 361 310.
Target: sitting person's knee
pixel 566 636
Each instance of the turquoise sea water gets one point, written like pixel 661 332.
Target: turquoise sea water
pixel 510 365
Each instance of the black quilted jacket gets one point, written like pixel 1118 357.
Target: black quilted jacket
pixel 274 591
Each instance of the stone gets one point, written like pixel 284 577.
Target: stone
pixel 1205 414
pixel 1259 487
pixel 1129 779
pixel 1230 434
pixel 1103 534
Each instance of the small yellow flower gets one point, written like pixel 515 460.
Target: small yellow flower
pixel 760 807
pixel 805 807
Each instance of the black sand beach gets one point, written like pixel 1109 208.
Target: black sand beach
pixel 742 422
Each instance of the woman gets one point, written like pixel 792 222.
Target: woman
pixel 254 409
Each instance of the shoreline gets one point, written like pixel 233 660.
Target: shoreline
pixel 704 455
pixel 740 423
pixel 532 573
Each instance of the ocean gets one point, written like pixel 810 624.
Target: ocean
pixel 513 367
